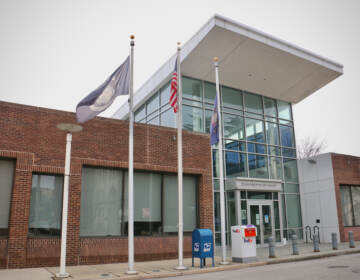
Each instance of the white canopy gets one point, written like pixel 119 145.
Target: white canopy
pixel 249 59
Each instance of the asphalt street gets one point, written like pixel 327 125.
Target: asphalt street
pixel 345 267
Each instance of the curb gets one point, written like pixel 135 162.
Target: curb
pixel 233 266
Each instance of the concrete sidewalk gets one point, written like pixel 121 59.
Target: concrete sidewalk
pixel 165 268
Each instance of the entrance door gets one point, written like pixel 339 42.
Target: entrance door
pixel 260 214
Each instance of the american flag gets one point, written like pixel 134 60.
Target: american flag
pixel 173 89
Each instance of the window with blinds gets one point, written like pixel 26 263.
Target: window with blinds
pixel 104 204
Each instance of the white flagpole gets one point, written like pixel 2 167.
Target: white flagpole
pixel 131 269
pixel 63 273
pixel 221 170
pixel 180 167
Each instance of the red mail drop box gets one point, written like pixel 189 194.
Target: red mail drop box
pixel 250 232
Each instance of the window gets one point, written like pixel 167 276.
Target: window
pixel 274 151
pixel 256 148
pixel 287 136
pixel 275 168
pixel 253 103
pixel 154 121
pixel 147 203
pixel 290 170
pixel 170 203
pixel 289 152
pixel 46 205
pixel 6 182
pixel 152 104
pixel 233 127
pixel 210 92
pixel 168 118
pixel 284 110
pixel 293 210
pixel 191 89
pixel 350 202
pixel 165 94
pixel 140 114
pixel 259 195
pixel 192 118
pixel 234 145
pixel 272 133
pixel 258 166
pixel 215 163
pixel 208 115
pixel 291 188
pixel 217 211
pixel 235 164
pixel 255 130
pixel 232 98
pixel 103 209
pixel 270 107
pixel 104 204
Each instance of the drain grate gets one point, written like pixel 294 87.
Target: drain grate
pixel 338 266
pixel 156 270
pixel 105 275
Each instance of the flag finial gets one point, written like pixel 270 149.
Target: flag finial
pixel 132 37
pixel 216 59
pixel 178 44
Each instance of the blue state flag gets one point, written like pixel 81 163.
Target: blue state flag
pixel 214 126
pixel 102 97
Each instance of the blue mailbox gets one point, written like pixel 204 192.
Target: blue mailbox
pixel 202 245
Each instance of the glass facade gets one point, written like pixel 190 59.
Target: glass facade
pixel 258 141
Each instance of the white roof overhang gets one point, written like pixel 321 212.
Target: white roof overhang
pixel 249 60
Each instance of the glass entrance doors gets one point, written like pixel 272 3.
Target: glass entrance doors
pixel 260 214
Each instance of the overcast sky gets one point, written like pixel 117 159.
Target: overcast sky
pixel 53 53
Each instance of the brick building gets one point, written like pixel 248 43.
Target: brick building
pixel 32 154
pixel 261 77
pixel 330 194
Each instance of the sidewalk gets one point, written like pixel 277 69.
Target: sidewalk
pixel 165 268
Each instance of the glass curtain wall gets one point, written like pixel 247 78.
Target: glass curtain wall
pixel 258 139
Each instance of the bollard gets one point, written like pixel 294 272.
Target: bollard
pixel 271 247
pixel 316 243
pixel 351 240
pixel 295 245
pixel 334 241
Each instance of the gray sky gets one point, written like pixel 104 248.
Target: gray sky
pixel 54 53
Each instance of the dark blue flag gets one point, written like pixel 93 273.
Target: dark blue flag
pixel 102 97
pixel 214 126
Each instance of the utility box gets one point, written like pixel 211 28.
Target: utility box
pixel 202 246
pixel 243 243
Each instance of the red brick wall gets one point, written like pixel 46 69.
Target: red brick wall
pixel 29 135
pixel 346 172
